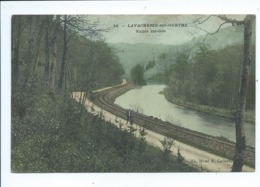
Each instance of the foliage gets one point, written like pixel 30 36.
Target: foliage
pixel 167 143
pixel 53 133
pixel 150 65
pixel 81 53
pixel 93 64
pixel 142 132
pixel 180 158
pixel 48 139
pixel 209 77
pixel 222 112
pixel 137 75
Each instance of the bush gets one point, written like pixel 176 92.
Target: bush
pixel 58 135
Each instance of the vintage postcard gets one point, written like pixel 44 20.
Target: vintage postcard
pixel 132 93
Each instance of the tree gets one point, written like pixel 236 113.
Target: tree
pixel 137 75
pixel 35 24
pixel 41 22
pixel 47 50
pixel 54 56
pixel 75 25
pixel 205 71
pixel 248 23
pixel 179 69
pixel 150 65
pixel 30 49
pixel 167 144
pixel 244 77
pixel 65 48
pixel 16 39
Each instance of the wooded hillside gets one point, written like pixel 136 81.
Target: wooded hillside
pixel 53 56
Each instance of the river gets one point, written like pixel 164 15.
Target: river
pixel 148 100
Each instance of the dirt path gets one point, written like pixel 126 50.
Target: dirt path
pixel 194 157
pixel 106 88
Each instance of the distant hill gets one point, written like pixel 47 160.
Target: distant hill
pixel 142 53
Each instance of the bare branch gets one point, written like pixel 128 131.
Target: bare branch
pixel 229 20
pixel 199 21
pixel 218 28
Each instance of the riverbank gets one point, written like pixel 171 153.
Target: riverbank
pixel 249 117
pixel 188 152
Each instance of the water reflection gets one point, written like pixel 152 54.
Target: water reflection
pixel 147 100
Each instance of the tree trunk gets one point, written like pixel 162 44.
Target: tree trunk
pixel 16 38
pixel 65 47
pixel 38 41
pixel 28 67
pixel 47 51
pixel 70 80
pixel 240 132
pixel 54 55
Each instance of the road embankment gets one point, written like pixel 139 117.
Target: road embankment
pixel 200 150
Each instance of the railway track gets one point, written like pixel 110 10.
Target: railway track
pixel 105 99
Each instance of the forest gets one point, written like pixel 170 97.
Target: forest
pixel 207 80
pixel 53 56
pixel 215 80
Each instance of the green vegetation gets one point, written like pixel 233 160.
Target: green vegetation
pixel 208 80
pixel 56 135
pixel 167 143
pixel 137 75
pixel 249 117
pixel 150 65
pixel 52 56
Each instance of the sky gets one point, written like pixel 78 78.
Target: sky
pixel 122 28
